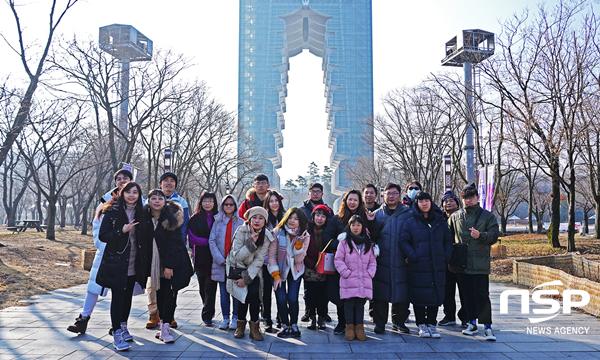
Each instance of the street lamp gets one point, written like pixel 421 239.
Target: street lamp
pixel 168 160
pixel 448 172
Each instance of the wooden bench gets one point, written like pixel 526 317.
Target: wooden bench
pixel 14 229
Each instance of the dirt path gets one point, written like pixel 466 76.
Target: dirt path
pixel 31 265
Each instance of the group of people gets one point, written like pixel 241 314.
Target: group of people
pixel 403 251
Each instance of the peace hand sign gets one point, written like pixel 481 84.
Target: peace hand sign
pixel 127 227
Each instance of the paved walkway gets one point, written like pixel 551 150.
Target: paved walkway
pixel 39 331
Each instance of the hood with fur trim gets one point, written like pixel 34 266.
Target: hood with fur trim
pixel 177 211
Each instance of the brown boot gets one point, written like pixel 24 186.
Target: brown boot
pixel 255 331
pixel 173 324
pixel 350 335
pixel 360 332
pixel 153 322
pixel 239 330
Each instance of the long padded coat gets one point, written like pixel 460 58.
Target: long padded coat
pixel 390 282
pixel 427 249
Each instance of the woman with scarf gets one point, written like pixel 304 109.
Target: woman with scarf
pixel 244 276
pixel 352 204
pixel 275 209
pixel 286 265
pixel 199 228
pixel 315 283
pixel 170 266
pixel 227 221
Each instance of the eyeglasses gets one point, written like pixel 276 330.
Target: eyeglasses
pixel 228 204
pixel 395 193
pixel 261 183
pixel 316 192
pixel 414 188
pixel 208 201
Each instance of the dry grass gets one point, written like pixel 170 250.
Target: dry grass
pixel 28 264
pixel 530 245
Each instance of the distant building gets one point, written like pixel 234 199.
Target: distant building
pixel 338 31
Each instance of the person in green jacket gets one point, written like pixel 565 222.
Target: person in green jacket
pixel 478 229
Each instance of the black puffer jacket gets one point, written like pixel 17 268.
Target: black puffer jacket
pixel 427 244
pixel 112 272
pixel 172 251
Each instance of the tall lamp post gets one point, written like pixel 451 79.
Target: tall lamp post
pixel 467 48
pixel 168 160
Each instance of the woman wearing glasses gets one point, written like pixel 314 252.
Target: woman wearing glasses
pixel 198 233
pixel 226 223
pixel 412 189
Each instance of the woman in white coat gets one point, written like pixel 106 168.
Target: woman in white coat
pixel 244 269
pixel 220 241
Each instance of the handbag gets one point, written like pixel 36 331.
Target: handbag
pixel 235 273
pixel 458 259
pixel 326 266
pixel 459 256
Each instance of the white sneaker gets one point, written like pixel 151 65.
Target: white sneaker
pixel 233 324
pixel 224 325
pixel 424 331
pixel 435 334
pixel 165 334
pixel 489 334
pixel 470 330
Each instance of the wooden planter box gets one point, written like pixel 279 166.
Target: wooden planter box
pixel 534 271
pixel 87 259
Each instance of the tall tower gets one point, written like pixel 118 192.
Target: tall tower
pixel 467 48
pixel 339 32
pixel 127 44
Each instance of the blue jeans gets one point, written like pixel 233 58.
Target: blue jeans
pixel 287 302
pixel 225 303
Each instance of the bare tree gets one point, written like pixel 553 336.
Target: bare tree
pixel 33 73
pixel 53 141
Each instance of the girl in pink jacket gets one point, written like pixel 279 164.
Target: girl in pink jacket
pixel 355 261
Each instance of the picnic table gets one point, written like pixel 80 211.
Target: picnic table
pixel 26 224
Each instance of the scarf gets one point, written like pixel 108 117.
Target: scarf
pixel 228 237
pixel 156 266
pixel 357 239
pixel 318 235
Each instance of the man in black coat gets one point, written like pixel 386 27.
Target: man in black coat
pixel 390 282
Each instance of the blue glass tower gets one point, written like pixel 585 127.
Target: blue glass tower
pixel 338 31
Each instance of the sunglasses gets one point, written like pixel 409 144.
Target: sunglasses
pixel 228 204
pixel 413 188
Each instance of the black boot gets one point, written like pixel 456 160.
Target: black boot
pixel 80 325
pixel 278 321
pixel 313 323
pixel 269 325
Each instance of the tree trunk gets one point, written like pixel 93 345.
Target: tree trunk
pixel 84 214
pixel 555 211
pixel 503 222
pixel 38 205
pixel 571 227
pixel 530 208
pixel 540 222
pixel 50 234
pixel 586 221
pixel 63 212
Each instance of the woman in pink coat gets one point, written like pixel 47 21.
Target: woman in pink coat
pixel 355 261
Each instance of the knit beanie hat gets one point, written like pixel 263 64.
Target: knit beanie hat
pixel 449 195
pixel 257 210
pixel 324 208
pixel 166 175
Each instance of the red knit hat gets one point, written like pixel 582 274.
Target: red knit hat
pixel 324 208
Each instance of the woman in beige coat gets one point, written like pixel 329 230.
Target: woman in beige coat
pixel 244 269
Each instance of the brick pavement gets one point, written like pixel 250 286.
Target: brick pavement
pixel 39 331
